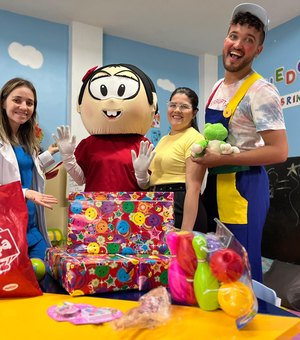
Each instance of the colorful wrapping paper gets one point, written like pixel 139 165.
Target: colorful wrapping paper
pixel 119 223
pixel 153 271
pixel 87 274
pixel 115 241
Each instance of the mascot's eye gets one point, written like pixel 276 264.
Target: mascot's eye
pixel 103 90
pixel 121 90
pixel 114 87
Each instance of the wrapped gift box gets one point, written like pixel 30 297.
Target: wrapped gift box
pixel 119 223
pixel 86 274
pixel 153 271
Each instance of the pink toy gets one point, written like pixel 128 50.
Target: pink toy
pixel 182 267
pixel 80 314
pixel 226 265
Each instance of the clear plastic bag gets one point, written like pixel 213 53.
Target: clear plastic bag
pixel 153 310
pixel 221 277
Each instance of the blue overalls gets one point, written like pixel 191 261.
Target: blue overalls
pixel 238 197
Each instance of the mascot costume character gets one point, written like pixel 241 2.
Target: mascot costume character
pixel 117 104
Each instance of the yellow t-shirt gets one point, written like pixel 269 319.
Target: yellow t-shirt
pixel 168 165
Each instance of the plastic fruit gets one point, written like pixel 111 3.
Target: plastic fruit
pixel 235 298
pixel 226 265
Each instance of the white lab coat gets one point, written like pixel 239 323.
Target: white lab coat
pixel 9 172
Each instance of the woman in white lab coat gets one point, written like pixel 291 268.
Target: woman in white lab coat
pixel 20 159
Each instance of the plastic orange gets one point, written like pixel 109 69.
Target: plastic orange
pixel 235 298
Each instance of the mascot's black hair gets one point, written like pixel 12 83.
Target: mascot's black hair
pixel 147 82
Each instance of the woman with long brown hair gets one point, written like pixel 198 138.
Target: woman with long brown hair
pixel 20 159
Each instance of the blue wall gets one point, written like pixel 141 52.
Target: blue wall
pixel 279 60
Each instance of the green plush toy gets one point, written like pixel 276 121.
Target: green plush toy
pixel 214 134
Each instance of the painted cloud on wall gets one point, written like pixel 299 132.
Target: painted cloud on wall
pixel 166 84
pixel 26 55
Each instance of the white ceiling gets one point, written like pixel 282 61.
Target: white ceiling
pixel 190 26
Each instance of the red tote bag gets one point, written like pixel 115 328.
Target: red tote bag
pixel 17 277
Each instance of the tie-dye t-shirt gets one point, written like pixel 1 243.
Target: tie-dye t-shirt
pixel 259 110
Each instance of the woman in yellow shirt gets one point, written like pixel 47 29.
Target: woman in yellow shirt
pixel 170 165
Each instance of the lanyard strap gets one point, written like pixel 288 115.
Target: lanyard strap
pixel 234 102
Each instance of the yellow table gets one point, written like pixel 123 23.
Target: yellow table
pixel 26 318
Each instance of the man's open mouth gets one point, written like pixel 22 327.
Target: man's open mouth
pixel 235 55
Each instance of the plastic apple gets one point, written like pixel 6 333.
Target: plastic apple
pixel 226 265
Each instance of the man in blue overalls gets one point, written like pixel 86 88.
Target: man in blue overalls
pixel 237 190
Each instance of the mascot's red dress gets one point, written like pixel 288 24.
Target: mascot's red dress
pixel 117 104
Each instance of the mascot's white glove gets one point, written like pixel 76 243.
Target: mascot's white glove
pixel 66 145
pixel 142 162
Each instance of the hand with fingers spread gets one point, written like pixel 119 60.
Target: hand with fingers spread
pixel 142 162
pixel 65 142
pixel 37 197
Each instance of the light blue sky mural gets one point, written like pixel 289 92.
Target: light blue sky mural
pixel 38 51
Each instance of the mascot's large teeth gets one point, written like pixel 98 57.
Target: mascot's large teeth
pixel 112 113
